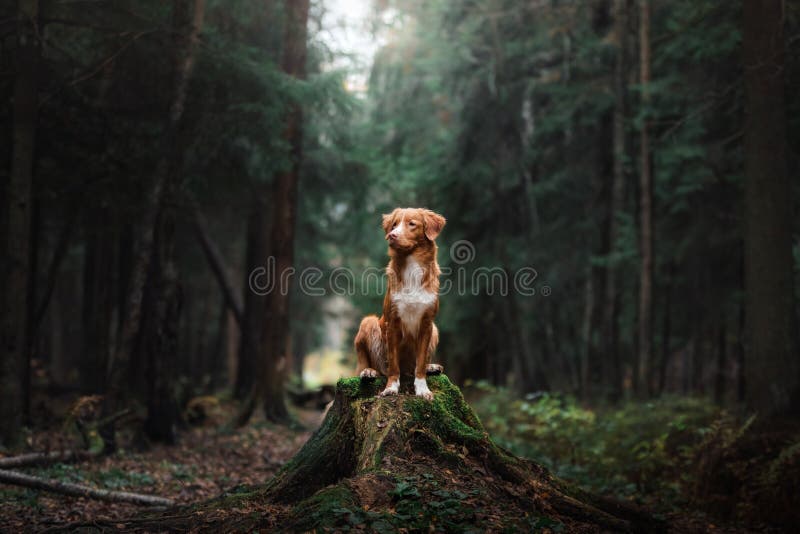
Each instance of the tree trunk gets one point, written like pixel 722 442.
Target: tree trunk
pixel 161 341
pixel 273 357
pixel 773 368
pixel 14 313
pixel 646 238
pixel 254 303
pixel 594 369
pixel 722 361
pixel 666 330
pixel 163 414
pixel 586 334
pixel 620 152
pixel 120 365
pixel 97 300
pixel 216 356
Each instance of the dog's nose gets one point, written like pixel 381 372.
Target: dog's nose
pixel 392 237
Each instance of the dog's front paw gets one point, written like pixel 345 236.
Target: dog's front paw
pixel 392 388
pixel 421 389
pixel 368 374
pixel 434 369
pixel 427 395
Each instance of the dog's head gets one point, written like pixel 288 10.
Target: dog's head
pixel 407 228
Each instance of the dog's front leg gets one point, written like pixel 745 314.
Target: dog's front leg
pixel 423 357
pixel 394 336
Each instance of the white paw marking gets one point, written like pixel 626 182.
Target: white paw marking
pixel 391 389
pixel 435 369
pixel 421 389
pixel 368 373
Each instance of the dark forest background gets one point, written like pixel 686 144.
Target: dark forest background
pixel 641 156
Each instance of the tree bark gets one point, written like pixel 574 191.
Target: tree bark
pixel 773 369
pixel 646 238
pixel 620 153
pixel 595 364
pixel 269 390
pixel 97 300
pixel 666 329
pixel 120 365
pixel 254 303
pixel 163 414
pixel 14 313
pixel 722 361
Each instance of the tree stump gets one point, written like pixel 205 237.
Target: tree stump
pixel 384 464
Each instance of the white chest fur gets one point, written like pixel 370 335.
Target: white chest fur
pixel 412 300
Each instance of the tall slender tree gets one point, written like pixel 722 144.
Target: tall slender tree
pixel 773 367
pixel 273 353
pixel 646 238
pixel 284 200
pixel 617 198
pixel 16 276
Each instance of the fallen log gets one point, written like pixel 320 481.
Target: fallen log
pixel 45 458
pixel 77 490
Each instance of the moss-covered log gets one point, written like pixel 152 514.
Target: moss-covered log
pixel 383 464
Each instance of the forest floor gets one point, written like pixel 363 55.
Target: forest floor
pixel 209 459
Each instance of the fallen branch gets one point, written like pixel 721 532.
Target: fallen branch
pixel 45 458
pixel 77 490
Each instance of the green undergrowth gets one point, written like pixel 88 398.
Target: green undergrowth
pixel 672 453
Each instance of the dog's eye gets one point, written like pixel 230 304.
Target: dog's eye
pixel 412 224
pixel 394 225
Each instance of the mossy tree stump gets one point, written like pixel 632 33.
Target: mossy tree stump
pixel 384 464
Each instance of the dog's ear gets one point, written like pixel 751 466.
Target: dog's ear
pixel 433 224
pixel 387 220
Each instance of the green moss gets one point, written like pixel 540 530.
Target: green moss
pixel 321 510
pixel 448 415
pixel 355 388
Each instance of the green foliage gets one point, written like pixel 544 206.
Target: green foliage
pixel 632 450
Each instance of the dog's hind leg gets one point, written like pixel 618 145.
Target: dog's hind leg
pixel 370 348
pixel 433 368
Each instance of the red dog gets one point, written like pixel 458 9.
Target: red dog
pixel 404 338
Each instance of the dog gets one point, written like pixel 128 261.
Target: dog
pixel 404 338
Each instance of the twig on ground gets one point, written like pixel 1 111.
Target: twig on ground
pixel 77 490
